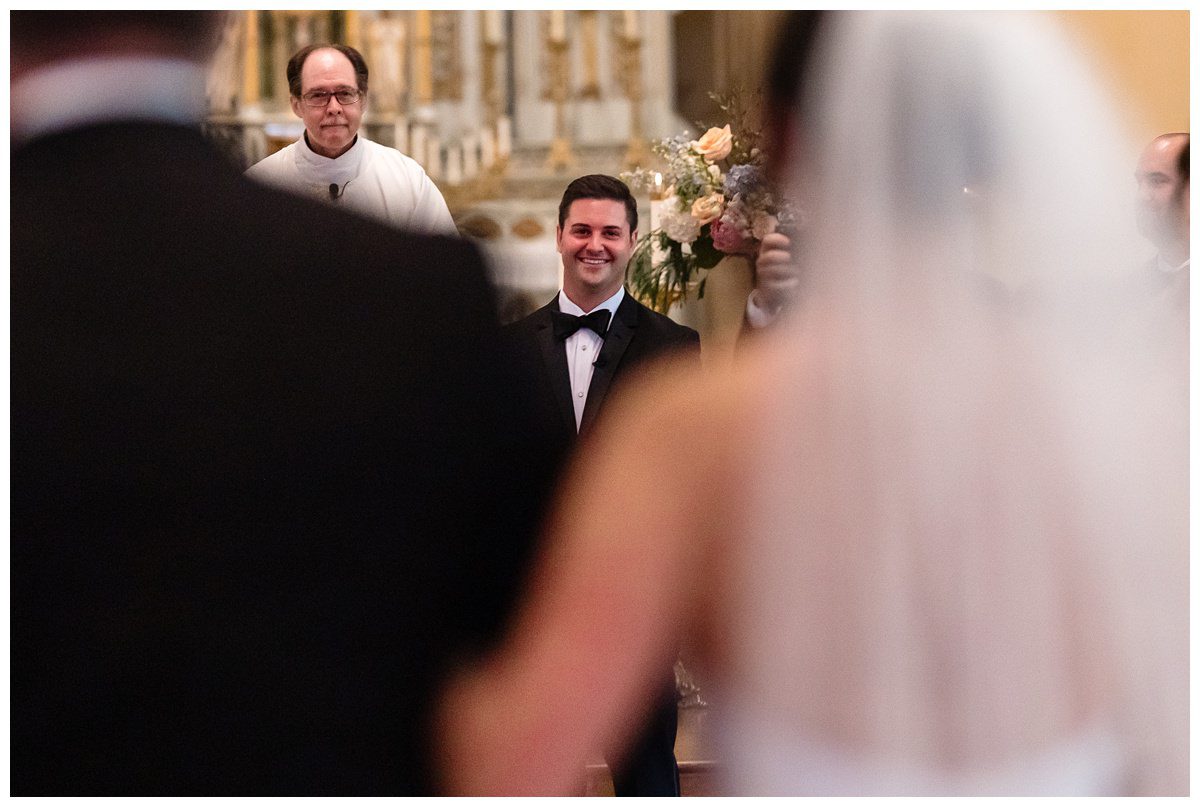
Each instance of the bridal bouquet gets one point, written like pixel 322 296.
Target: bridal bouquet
pixel 716 203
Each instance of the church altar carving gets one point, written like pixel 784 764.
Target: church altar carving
pixel 501 108
pixel 459 91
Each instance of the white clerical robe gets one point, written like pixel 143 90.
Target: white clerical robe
pixel 370 179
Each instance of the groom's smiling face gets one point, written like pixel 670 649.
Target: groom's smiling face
pixel 595 243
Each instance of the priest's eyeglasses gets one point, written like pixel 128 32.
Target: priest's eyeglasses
pixel 320 98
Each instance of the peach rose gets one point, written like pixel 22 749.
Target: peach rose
pixel 707 208
pixel 714 145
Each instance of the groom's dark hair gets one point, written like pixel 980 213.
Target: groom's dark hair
pixel 599 186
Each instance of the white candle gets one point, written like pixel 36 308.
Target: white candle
pixel 487 147
pixel 401 50
pixel 422 58
pixel 418 144
pixel 558 26
pixel 630 19
pixel 400 134
pixel 470 155
pixel 504 136
pixel 492 32
pixel 454 172
pixel 433 162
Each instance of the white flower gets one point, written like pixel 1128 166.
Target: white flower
pixel 678 224
pixel 735 216
pixel 764 224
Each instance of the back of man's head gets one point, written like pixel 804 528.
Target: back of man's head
pixel 41 37
pixel 599 186
pixel 788 72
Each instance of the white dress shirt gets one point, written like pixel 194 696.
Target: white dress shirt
pixel 583 347
pixel 69 95
pixel 757 314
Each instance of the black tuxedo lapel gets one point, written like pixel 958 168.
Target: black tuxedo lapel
pixel 555 357
pixel 619 335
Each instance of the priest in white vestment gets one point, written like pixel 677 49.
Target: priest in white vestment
pixel 331 161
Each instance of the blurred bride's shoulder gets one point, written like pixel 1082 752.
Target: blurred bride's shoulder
pixel 673 413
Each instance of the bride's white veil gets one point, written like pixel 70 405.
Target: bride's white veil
pixel 968 564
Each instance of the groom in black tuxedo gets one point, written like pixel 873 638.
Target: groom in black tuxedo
pixel 267 482
pixel 580 346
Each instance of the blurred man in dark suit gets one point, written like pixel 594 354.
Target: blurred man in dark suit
pixel 267 480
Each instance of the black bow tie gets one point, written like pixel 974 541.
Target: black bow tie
pixel 567 324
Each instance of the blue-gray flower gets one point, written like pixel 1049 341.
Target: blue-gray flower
pixel 743 179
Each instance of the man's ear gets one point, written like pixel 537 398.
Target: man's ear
pixel 296 106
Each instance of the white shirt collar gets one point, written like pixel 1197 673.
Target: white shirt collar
pixel 323 170
pixel 567 307
pixel 81 92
